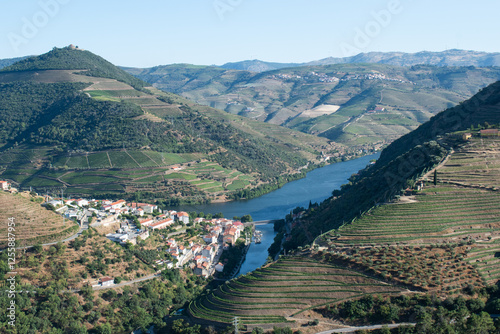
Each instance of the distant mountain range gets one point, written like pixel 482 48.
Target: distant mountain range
pixel 9 61
pixel 452 57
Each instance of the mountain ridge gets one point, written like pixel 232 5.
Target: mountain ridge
pixel 451 57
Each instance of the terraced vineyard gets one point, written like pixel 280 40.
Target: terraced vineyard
pixel 443 238
pixel 139 170
pixel 438 213
pixel 463 205
pixel 475 164
pixel 283 291
pixel 33 223
pixel 440 269
pixel 486 258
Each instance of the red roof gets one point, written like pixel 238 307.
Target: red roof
pixel 106 279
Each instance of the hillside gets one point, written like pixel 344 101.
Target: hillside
pixel 421 224
pixel 406 159
pixel 284 292
pixel 73 120
pixel 353 104
pixel 32 223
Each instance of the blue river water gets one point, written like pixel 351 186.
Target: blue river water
pixel 315 187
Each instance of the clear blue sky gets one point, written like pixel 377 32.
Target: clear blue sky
pixel 157 32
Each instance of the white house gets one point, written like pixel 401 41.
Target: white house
pixel 199 220
pixel 118 204
pixel 162 224
pixel 208 252
pixel 148 208
pixel 106 281
pixel 146 222
pixel 4 185
pixel 183 217
pixel 82 202
pixel 210 238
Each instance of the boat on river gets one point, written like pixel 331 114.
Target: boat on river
pixel 258 236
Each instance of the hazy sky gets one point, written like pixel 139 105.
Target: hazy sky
pixel 155 32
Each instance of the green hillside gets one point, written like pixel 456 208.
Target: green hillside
pixel 422 224
pixel 332 101
pixel 72 120
pixel 406 159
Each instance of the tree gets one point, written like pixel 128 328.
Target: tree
pixel 258 330
pixel 104 329
pixel 38 248
pixel 87 292
pixel 141 319
pixel 480 324
pixel 246 219
pixel 435 177
pixel 179 327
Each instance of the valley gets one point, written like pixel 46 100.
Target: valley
pixel 410 240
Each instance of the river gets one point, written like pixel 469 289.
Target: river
pixel 315 187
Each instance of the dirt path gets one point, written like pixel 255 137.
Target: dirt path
pixel 441 164
pixel 355 329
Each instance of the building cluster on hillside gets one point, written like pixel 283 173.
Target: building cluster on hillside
pixel 204 259
pixel 285 76
pixel 322 77
pixel 202 256
pixel 372 76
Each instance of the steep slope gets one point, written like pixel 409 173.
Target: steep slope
pixel 440 239
pixel 354 104
pixel 72 119
pixel 402 162
pixel 453 57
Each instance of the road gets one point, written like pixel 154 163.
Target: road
pixel 145 278
pixel 355 329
